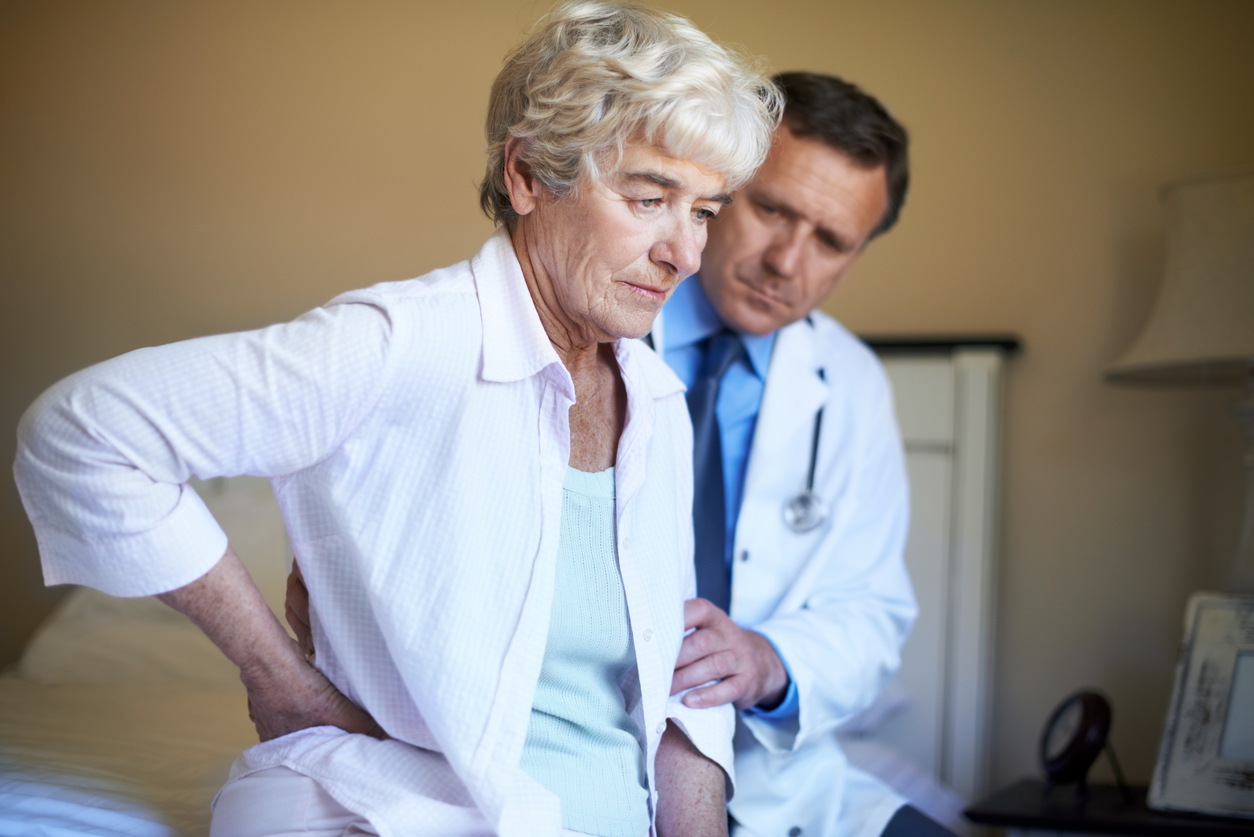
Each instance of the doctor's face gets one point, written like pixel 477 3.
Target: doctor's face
pixel 791 234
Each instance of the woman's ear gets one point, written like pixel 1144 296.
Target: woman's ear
pixel 523 188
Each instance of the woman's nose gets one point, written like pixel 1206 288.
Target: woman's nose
pixel 680 251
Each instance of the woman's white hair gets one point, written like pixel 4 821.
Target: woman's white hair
pixel 594 76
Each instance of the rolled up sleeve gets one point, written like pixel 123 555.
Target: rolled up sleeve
pixel 104 456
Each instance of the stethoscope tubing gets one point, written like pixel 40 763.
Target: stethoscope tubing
pixel 807 511
pixel 814 443
pixel 814 450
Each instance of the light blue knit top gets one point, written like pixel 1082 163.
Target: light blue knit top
pixel 581 743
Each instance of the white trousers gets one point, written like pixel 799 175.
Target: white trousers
pixel 279 802
pixel 283 803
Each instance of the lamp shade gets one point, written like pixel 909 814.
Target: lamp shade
pixel 1202 327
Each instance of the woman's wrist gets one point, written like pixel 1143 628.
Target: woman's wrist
pixel 228 607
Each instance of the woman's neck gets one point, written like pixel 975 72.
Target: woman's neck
pixel 577 350
pixel 600 411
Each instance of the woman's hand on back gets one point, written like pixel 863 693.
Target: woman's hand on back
pixel 286 693
pixel 299 697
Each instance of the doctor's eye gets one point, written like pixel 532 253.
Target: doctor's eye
pixel 766 208
pixel 831 243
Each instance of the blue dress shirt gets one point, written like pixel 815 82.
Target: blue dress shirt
pixel 690 319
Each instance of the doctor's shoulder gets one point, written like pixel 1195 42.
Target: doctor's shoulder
pixel 844 356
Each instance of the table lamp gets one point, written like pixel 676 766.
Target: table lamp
pixel 1201 331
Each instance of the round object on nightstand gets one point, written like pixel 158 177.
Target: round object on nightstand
pixel 1073 737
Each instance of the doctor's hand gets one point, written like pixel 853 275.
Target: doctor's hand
pixel 748 671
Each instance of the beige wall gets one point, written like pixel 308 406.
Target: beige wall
pixel 168 170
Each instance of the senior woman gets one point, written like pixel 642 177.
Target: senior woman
pixel 487 488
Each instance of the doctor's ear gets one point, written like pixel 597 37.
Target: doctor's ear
pixel 520 183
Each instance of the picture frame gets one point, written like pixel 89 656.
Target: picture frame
pixel 1206 757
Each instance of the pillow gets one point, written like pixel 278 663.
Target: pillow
pixel 94 638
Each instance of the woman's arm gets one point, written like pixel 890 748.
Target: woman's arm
pixel 285 693
pixel 690 789
pixel 104 456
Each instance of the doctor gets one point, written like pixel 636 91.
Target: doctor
pixel 801 504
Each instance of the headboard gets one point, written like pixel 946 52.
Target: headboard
pixel 948 395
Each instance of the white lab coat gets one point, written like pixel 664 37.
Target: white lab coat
pixel 836 601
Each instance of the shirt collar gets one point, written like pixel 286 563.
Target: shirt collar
pixel 690 318
pixel 515 345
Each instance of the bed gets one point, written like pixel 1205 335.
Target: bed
pixel 121 718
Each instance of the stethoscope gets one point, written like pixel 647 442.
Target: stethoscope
pixel 806 511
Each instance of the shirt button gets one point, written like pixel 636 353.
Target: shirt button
pixel 744 556
pixel 648 634
pixel 661 728
pixel 626 541
pixel 795 831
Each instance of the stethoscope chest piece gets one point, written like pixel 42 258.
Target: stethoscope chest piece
pixel 804 512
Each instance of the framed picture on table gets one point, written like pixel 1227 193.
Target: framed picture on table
pixel 1206 757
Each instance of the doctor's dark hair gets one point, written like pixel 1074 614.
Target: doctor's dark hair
pixel 593 76
pixel 836 112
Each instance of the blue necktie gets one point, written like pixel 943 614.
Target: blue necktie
pixel 709 519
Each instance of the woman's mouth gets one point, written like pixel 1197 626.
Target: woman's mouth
pixel 650 292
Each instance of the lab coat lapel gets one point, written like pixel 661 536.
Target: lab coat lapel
pixel 778 463
pixel 794 393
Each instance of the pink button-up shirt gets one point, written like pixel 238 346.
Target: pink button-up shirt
pixel 416 435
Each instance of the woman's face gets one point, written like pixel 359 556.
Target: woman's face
pixel 614 251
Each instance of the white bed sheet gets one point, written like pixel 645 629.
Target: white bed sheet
pixel 121 717
pixel 115 759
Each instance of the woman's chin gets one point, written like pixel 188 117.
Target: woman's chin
pixel 631 323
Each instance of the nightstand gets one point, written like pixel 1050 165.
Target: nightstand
pixel 1030 809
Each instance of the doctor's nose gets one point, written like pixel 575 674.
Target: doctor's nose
pixel 783 256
